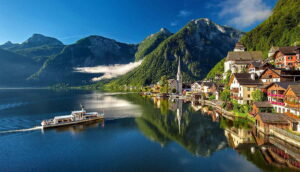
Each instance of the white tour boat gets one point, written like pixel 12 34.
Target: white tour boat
pixel 76 117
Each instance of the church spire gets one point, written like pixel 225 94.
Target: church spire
pixel 179 68
pixel 179 78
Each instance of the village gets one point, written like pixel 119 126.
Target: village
pixel 264 90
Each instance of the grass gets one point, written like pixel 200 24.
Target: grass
pixel 244 115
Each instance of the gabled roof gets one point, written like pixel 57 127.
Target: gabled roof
pixel 239 45
pixel 291 50
pixel 274 118
pixel 208 84
pixel 197 82
pixel 283 72
pixel 244 55
pixel 284 85
pixel 295 89
pixel 256 64
pixel 262 104
pixel 245 79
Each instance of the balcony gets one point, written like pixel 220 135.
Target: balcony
pixel 292 104
pixel 276 95
pixel 277 103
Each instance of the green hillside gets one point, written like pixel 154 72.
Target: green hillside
pixel 150 43
pixel 15 69
pixel 87 52
pixel 200 44
pixel 282 28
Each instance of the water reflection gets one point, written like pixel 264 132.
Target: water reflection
pixel 75 129
pixel 202 131
pixel 177 121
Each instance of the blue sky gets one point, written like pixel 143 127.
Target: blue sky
pixel 127 21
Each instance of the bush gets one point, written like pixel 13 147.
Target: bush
pixel 212 97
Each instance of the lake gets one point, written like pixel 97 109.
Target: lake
pixel 138 134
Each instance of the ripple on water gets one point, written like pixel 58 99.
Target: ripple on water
pixel 11 105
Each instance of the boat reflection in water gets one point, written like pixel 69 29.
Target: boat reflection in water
pixel 80 127
pixel 202 131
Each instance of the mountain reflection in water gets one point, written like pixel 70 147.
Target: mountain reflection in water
pixel 138 134
pixel 202 132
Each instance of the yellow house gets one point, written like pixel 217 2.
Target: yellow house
pixel 242 85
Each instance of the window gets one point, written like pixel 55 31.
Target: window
pixel 290 57
pixel 248 95
pixel 270 76
pixel 248 88
pixel 290 64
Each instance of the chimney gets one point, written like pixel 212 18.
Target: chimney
pixel 253 76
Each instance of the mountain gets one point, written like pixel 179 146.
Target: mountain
pixel 282 28
pixel 151 42
pixel 38 47
pixel 15 69
pixel 199 45
pixel 87 52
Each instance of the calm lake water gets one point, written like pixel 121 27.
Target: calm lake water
pixel 139 134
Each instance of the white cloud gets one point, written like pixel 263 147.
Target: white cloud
pixel 110 71
pixel 184 13
pixel 244 13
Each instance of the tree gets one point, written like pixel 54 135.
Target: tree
pixel 164 85
pixel 258 96
pixel 225 95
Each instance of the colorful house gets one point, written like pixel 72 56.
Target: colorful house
pixel 276 95
pixel 292 99
pixel 287 57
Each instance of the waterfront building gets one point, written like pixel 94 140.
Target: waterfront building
pixel 287 57
pixel 196 87
pixel 264 121
pixel 292 99
pixel 276 95
pixel 172 84
pixel 261 107
pixel 242 85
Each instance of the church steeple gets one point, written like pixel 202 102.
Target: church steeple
pixel 179 78
pixel 179 70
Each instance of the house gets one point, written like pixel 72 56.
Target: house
pixel 196 87
pixel 264 121
pixel 292 99
pixel 261 107
pixel 276 95
pixel 272 51
pixel 242 85
pixel 270 75
pixel 237 61
pixel 258 67
pixel 287 57
pixel 239 47
pixel 172 84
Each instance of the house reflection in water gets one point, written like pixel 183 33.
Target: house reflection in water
pixel 266 152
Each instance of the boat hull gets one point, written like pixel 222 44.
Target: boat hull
pixel 73 122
